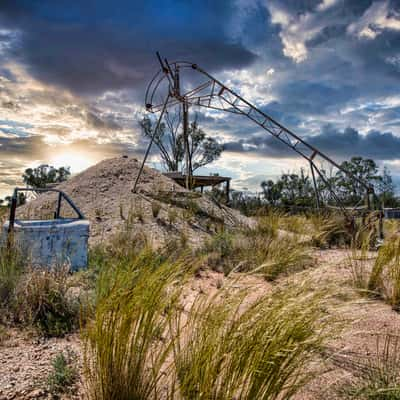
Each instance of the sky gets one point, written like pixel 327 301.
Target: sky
pixel 73 77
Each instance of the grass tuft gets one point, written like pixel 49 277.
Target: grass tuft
pixel 228 348
pixel 126 348
pixel 41 300
pixel 377 377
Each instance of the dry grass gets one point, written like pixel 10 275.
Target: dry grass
pixel 41 300
pixel 262 250
pixel 385 274
pixel 125 346
pixel 378 376
pixel 229 349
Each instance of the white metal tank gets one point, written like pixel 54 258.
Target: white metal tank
pixel 52 242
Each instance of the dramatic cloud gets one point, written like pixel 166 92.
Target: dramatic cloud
pixel 375 20
pixel 89 48
pixel 339 144
pixel 73 78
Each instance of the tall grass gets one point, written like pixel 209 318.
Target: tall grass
pixel 11 268
pixel 228 348
pixel 385 274
pixel 377 377
pixel 359 260
pixel 127 346
pixel 263 249
pixel 41 299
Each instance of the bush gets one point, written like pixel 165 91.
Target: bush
pixel 41 300
pixel 259 250
pixel 64 373
pixel 155 208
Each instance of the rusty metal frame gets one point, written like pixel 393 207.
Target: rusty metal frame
pixel 213 94
pixel 61 196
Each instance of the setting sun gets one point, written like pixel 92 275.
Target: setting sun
pixel 76 160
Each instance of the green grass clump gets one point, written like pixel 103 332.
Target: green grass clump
pixel 11 268
pixel 41 300
pixel 376 377
pixel 63 374
pixel 262 249
pixel 126 347
pixel 227 348
pixel 385 274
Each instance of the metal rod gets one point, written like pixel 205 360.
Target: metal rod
pixel 188 171
pixel 58 206
pixel 315 185
pixel 13 209
pixel 150 144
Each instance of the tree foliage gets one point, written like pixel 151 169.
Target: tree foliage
pixel 44 175
pixel 297 189
pixel 203 149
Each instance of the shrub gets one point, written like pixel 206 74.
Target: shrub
pixel 64 373
pixel 328 231
pixel 228 349
pixel 155 208
pixel 41 300
pixel 377 377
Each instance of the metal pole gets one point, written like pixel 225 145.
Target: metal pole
pixel 186 143
pixel 315 185
pixel 58 206
pixel 150 144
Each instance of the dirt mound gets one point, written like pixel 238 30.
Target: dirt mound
pixel 161 209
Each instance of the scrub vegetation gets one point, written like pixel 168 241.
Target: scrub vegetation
pixel 147 334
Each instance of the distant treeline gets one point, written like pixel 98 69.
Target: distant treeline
pixel 296 190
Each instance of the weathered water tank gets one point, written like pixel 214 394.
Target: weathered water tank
pixel 50 243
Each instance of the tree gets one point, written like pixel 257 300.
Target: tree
pixel 386 189
pixel 272 191
pixel 203 149
pixel 351 191
pixel 21 199
pixel 44 175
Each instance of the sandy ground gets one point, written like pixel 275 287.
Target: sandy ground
pixel 25 361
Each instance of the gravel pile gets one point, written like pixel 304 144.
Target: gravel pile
pixel 160 209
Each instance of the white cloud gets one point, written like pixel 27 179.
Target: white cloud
pixel 375 19
pixel 325 4
pixel 296 30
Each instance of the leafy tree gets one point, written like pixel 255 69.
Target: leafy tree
pixel 297 189
pixel 203 149
pixel 386 190
pixel 20 200
pixel 351 191
pixel 272 191
pixel 44 175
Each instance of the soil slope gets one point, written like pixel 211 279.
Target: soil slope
pixel 160 208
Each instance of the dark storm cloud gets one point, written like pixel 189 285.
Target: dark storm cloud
pixel 92 47
pixel 335 143
pixel 21 146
